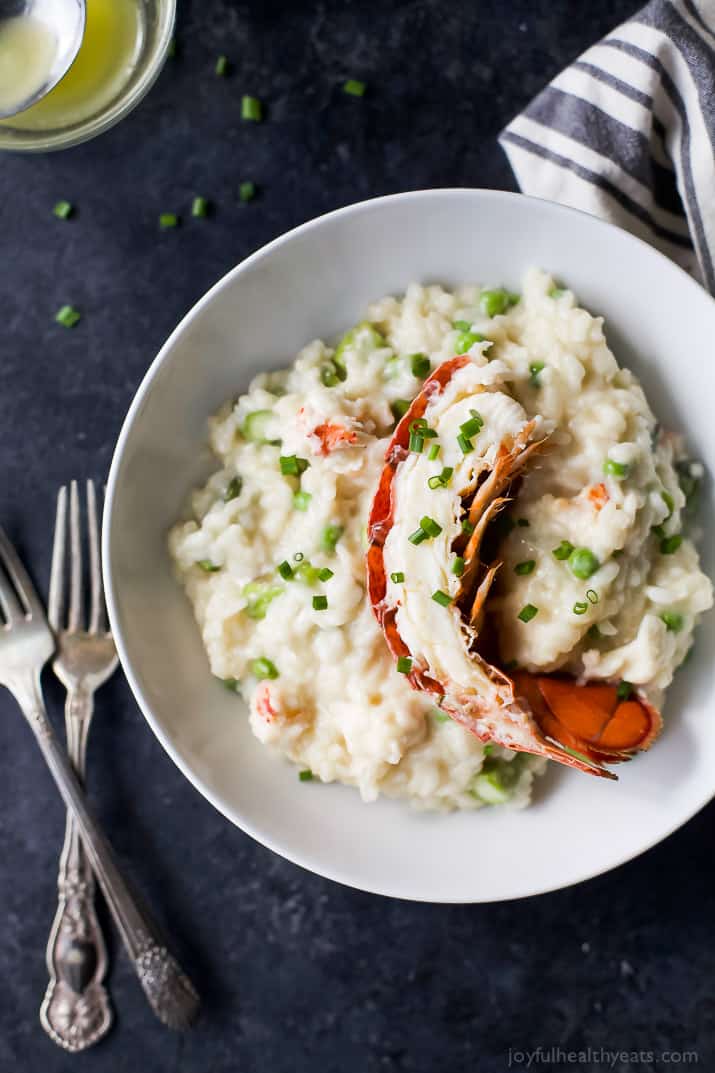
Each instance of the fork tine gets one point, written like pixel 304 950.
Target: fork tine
pixel 97 610
pixel 19 578
pixel 74 621
pixel 57 573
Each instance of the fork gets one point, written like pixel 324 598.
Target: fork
pixel 26 644
pixel 75 1011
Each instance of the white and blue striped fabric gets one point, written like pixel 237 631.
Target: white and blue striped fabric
pixel 627 132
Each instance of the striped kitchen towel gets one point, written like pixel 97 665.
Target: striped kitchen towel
pixel 627 132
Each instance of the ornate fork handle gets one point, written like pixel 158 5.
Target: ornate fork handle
pixel 76 1011
pixel 169 991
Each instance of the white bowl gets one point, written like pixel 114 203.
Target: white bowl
pixel 315 282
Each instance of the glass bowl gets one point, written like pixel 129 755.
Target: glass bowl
pixel 157 17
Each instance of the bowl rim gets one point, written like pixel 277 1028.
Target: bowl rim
pixel 154 369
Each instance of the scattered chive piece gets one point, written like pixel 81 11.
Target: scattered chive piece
pixel 659 531
pixel 397 577
pixel 308 573
pixel 305 776
pixel 526 567
pixel 63 210
pixel 233 489
pixel 442 598
pixel 354 88
pixel 416 443
pixel 669 545
pixel 534 369
pixel 624 689
pixel 615 469
pixel 331 536
pixel 465 443
pixel 434 452
pixel 263 668
pixel 68 316
pixel 255 426
pixel 430 526
pixel 325 573
pixel 523 522
pixel 458 566
pixel 168 220
pixel 583 563
pixel 563 551
pixel 417 424
pixel 404 664
pixel 292 466
pixel 285 570
pixel 199 207
pixel 556 292
pixel 434 482
pixel 320 603
pixel 251 108
pixel 301 500
pixel 580 608
pixel 298 557
pixel 399 408
pixel 462 325
pixel 673 621
pixel 231 684
pixel 592 596
pixel 471 427
pixel 467 526
pixel 207 566
pixel 528 612
pixel 441 480
pixel 668 500
pixel 420 365
pixel 246 191
pixel 417 537
pixel 222 65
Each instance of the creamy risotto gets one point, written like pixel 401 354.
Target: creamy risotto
pixel 272 558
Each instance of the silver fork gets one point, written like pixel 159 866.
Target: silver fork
pixel 75 1011
pixel 26 643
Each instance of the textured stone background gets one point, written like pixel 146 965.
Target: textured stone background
pixel 298 973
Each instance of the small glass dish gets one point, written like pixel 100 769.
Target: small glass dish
pixel 33 134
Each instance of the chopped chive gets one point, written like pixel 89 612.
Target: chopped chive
pixel 580 608
pixel 583 563
pixel 263 668
pixel 255 426
pixel 592 596
pixel 556 292
pixel 430 526
pixel 298 557
pixel 433 452
pixel 330 537
pixel 68 316
pixel 417 423
pixel 320 603
pixel 673 621
pixel 233 489
pixel 168 220
pixel 420 365
pixel 231 684
pixel 528 612
pixel 301 500
pixel 285 570
pixel 441 480
pixel 222 66
pixel 292 466
pixel 246 191
pixel 354 87
pixel 416 443
pixel 534 369
pixel 207 566
pixel 462 325
pixel 399 408
pixel 251 108
pixel 325 573
pixel 465 443
pixel 526 567
pixel 397 577
pixel 458 566
pixel 624 689
pixel 308 573
pixel 563 551
pixel 199 207
pixel 467 526
pixel 306 775
pixel 417 537
pixel 471 427
pixel 523 522
pixel 404 664
pixel 669 545
pixel 669 501
pixel 434 482
pixel 442 598
pixel 63 210
pixel 616 469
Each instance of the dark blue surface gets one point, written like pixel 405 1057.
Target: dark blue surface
pixel 298 974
